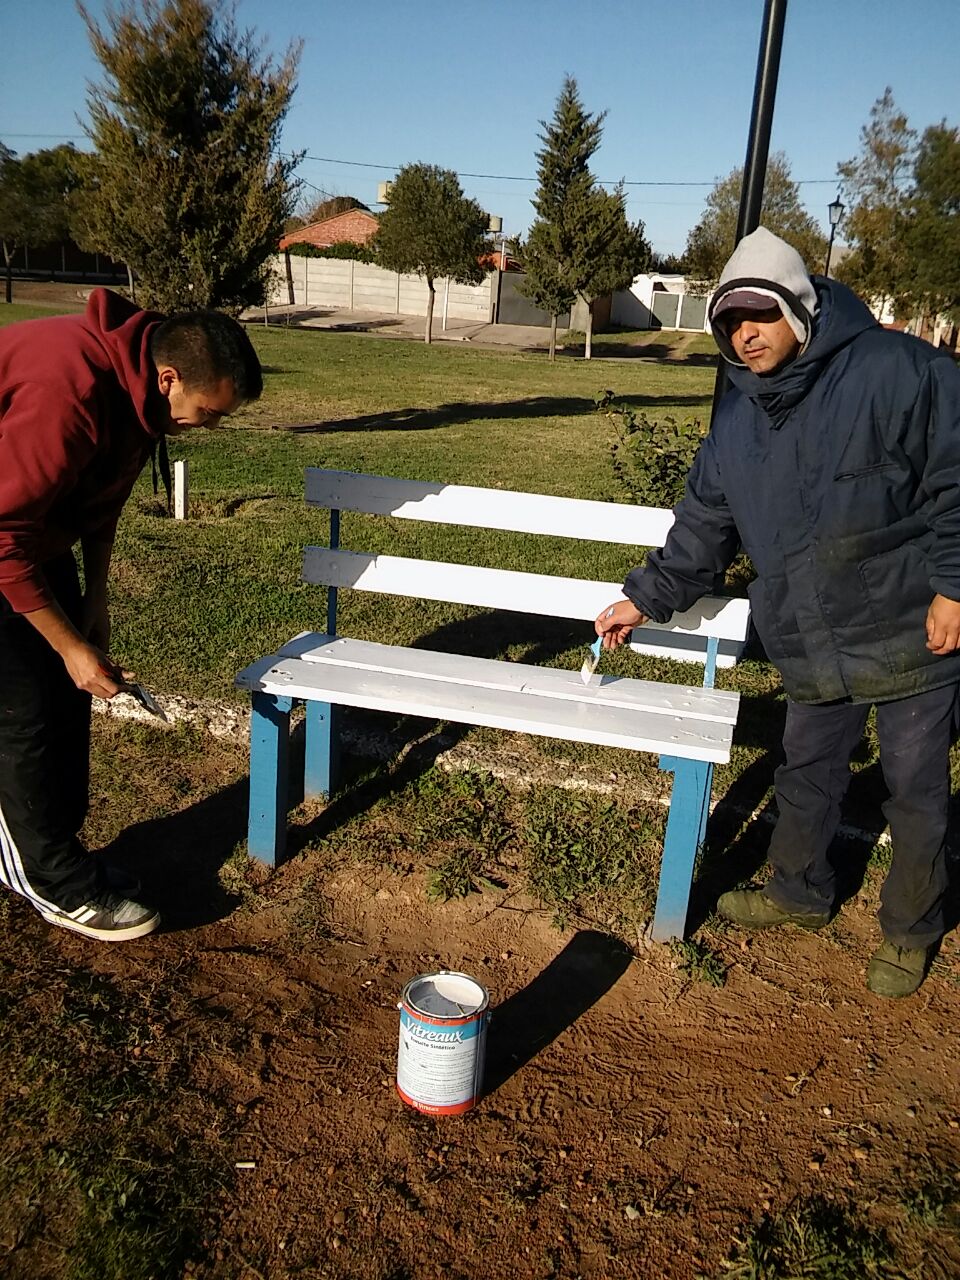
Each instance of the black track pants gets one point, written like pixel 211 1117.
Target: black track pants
pixel 44 759
pixel 915 735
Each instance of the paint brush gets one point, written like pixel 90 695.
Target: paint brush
pixel 592 661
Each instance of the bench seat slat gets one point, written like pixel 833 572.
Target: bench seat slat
pixel 458 504
pixel 515 677
pixel 495 708
pixel 506 589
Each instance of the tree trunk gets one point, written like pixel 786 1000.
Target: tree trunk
pixel 588 341
pixel 431 295
pixel 133 287
pixel 553 337
pixel 8 265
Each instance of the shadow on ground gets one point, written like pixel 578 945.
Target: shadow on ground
pixel 177 858
pixel 525 1023
pixel 445 415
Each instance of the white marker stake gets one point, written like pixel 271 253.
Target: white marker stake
pixel 181 497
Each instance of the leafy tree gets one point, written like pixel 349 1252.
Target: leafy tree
pixel 668 264
pixel 328 207
pixel 36 200
pixel 713 239
pixel 875 185
pixel 14 212
pixel 931 231
pixel 186 184
pixel 610 251
pixel 431 228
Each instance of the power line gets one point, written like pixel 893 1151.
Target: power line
pixel 497 177
pixel 510 177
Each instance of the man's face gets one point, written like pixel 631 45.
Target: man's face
pixel 190 407
pixel 761 339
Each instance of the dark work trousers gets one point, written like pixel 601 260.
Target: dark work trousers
pixel 915 735
pixel 44 759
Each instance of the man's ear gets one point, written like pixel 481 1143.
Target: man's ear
pixel 167 375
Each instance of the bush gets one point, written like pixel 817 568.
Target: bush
pixel 342 249
pixel 650 458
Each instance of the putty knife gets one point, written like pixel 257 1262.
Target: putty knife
pixel 592 661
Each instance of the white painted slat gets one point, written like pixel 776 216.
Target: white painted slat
pixel 488 508
pixel 514 677
pixel 495 708
pixel 506 589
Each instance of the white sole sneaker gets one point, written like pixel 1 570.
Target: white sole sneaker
pixel 96 925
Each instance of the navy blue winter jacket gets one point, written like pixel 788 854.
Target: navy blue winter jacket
pixel 840 477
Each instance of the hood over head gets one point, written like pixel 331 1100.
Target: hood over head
pixel 762 272
pixel 840 318
pixel 122 330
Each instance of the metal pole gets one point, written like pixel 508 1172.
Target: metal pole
pixel 758 143
pixel 826 265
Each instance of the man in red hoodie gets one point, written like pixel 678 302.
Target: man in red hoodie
pixel 84 400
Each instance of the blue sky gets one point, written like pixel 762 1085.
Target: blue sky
pixel 386 82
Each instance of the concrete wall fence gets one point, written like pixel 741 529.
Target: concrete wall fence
pixel 342 284
pixel 335 284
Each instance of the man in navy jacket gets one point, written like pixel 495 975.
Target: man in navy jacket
pixel 835 463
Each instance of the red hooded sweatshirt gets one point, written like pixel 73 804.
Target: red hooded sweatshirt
pixel 79 413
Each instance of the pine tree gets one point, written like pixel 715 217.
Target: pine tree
pixel 563 203
pixel 713 239
pixel 581 244
pixel 431 228
pixel 876 187
pixel 186 185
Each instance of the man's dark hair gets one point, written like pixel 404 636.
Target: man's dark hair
pixel 205 347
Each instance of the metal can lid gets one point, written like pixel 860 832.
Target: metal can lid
pixel 445 995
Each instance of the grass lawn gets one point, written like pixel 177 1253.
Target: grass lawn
pixel 119 1156
pixel 193 602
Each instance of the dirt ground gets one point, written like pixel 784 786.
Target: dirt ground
pixel 635 1120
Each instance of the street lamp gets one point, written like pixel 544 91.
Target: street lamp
pixel 835 211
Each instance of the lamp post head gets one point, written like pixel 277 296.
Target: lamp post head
pixel 835 210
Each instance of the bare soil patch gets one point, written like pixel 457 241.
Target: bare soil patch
pixel 52 293
pixel 638 1118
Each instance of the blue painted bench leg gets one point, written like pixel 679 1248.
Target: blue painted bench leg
pixel 321 754
pixel 269 757
pixel 686 827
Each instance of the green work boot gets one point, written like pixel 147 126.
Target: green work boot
pixel 752 909
pixel 897 971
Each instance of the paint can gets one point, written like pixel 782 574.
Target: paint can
pixel 443 1040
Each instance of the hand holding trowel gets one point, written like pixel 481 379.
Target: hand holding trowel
pixel 134 688
pixel 613 624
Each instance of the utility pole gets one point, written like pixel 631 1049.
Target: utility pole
pixel 758 143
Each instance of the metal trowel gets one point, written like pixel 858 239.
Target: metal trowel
pixel 146 699
pixel 592 661
pixel 136 690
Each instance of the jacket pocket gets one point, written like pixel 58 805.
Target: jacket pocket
pixel 873 469
pixel 896 585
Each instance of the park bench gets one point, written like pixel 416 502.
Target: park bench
pixel 689 727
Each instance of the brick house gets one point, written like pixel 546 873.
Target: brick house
pixel 356 225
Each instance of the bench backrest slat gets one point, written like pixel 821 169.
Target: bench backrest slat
pixel 507 589
pixel 488 508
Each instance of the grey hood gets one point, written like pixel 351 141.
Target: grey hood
pixel 763 264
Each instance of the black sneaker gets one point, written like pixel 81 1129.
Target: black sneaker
pixel 108 917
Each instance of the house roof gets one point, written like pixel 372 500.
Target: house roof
pixel 357 225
